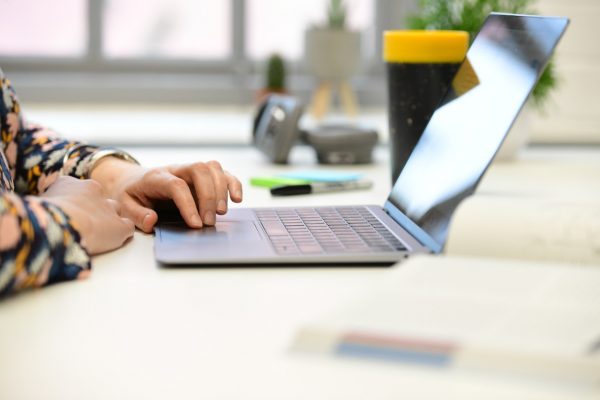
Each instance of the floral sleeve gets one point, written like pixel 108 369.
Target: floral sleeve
pixel 35 154
pixel 39 245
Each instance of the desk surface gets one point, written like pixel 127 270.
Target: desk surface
pixel 136 330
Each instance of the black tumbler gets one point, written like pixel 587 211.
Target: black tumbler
pixel 420 68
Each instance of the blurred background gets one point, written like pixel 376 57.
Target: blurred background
pixel 171 50
pixel 138 67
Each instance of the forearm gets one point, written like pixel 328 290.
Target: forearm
pixel 42 156
pixel 35 155
pixel 38 245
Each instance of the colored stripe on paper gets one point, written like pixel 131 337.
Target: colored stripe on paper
pixel 397 349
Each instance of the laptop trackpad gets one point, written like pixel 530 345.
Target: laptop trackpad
pixel 223 232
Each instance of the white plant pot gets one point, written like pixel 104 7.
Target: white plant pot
pixel 518 136
pixel 332 54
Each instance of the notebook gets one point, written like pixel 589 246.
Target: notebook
pixel 508 56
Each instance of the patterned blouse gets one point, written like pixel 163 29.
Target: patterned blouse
pixel 39 245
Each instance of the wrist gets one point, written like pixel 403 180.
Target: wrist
pixel 111 172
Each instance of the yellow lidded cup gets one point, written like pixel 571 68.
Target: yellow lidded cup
pixel 420 67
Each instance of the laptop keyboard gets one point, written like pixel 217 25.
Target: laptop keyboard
pixel 326 230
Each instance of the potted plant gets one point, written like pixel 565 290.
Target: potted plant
pixel 333 50
pixel 274 79
pixel 468 15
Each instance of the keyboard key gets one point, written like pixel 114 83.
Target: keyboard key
pixel 274 228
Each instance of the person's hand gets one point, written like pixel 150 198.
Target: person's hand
pixel 95 217
pixel 199 190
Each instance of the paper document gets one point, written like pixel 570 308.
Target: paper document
pixel 531 319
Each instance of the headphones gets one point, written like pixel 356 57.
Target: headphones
pixel 276 130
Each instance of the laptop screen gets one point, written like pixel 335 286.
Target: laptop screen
pixel 463 135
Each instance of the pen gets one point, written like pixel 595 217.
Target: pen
pixel 320 187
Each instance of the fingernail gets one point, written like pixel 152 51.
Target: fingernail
pixel 222 206
pixel 238 194
pixel 145 221
pixel 196 220
pixel 209 218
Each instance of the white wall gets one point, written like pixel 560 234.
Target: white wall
pixel 573 114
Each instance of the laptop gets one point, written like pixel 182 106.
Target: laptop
pixel 498 74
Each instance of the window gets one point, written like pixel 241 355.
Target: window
pixel 185 29
pixel 34 28
pixel 172 50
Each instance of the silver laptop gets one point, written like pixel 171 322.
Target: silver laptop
pixel 498 74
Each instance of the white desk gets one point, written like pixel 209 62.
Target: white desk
pixel 136 330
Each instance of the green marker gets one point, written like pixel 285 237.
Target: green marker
pixel 272 181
